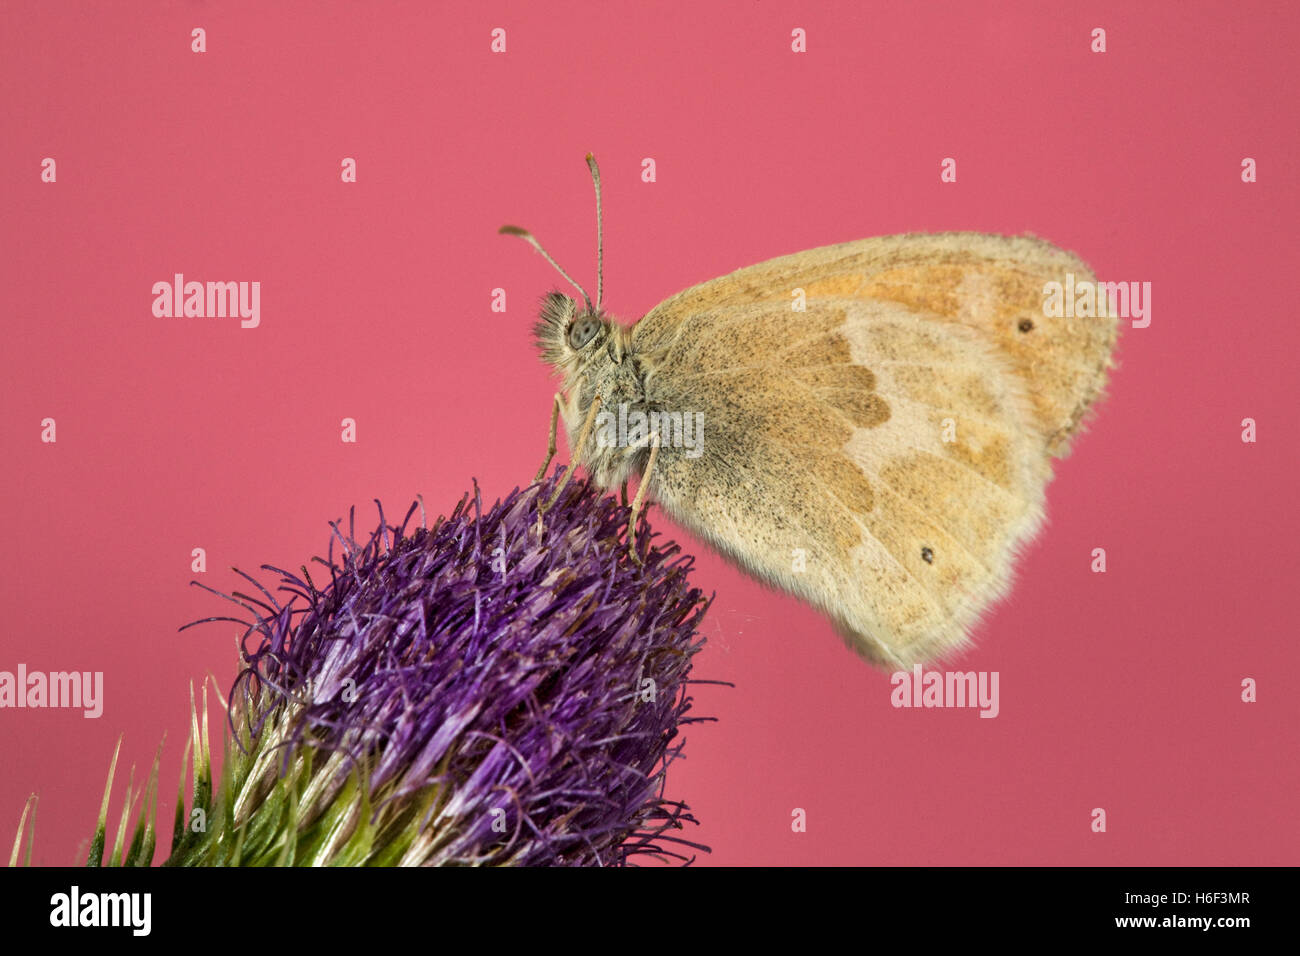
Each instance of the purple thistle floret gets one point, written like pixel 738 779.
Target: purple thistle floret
pixel 505 694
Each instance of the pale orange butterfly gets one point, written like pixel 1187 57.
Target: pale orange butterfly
pixel 878 418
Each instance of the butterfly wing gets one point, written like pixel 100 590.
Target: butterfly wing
pixel 899 453
pixel 992 284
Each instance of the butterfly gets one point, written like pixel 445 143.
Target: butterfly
pixel 874 422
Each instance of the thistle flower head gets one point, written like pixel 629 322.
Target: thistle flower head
pixel 481 691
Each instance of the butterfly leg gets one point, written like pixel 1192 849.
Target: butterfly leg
pixel 578 447
pixel 550 446
pixel 640 498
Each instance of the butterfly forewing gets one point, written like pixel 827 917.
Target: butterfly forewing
pixel 993 284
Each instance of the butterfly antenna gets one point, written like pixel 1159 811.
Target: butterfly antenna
pixel 600 234
pixel 528 237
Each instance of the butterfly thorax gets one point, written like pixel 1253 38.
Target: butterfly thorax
pixel 594 357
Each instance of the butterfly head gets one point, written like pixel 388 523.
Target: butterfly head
pixel 570 336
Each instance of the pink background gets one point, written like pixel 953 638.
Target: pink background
pixel 1119 691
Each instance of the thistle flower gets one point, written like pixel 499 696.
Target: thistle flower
pixel 485 691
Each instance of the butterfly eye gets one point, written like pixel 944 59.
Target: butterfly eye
pixel 1026 325
pixel 583 331
pixel 927 556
